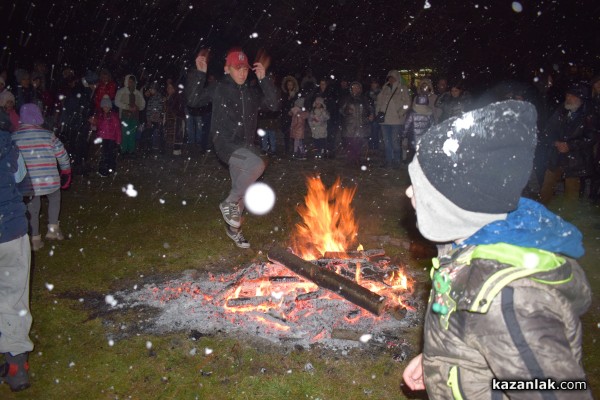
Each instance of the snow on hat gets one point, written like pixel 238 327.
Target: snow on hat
pixel 470 171
pixel 30 114
pixel 6 96
pixel 106 102
pixel 580 90
pixel 237 59
pixel 422 100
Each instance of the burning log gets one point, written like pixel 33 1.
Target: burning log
pixel 355 254
pixel 327 279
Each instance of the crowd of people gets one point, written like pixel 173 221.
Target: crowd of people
pixel 49 132
pixel 316 118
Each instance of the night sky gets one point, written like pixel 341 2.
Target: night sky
pixel 476 40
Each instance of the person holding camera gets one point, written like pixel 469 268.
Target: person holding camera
pixel 393 102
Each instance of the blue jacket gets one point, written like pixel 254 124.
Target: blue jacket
pixel 13 222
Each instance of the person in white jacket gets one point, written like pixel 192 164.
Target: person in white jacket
pixel 130 102
pixel 394 102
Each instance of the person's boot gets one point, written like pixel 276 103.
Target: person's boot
pixel 36 242
pixel 54 232
pixel 15 372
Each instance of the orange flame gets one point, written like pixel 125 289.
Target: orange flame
pixel 328 220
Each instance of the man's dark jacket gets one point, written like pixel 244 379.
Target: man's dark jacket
pixel 235 109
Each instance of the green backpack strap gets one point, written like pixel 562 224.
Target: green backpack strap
pixel 524 262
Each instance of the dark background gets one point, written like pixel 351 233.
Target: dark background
pixel 480 41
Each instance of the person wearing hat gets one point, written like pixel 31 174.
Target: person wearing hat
pixel 299 116
pixel 7 103
pixel 105 85
pixel 568 140
pixel 235 106
pixel 318 121
pixel 419 119
pixel 357 112
pixel 42 152
pixel 108 128
pixel 15 264
pixel 393 102
pixel 507 292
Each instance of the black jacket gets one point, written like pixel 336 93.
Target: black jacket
pixel 576 129
pixel 235 109
pixel 13 221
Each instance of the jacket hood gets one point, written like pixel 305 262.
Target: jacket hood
pixel 532 225
pixel 395 74
pixel 355 83
pixel 127 79
pixel 285 81
pixel 319 100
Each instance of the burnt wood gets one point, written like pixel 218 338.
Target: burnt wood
pixel 329 280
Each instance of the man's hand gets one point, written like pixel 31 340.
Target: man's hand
pixel 562 147
pixel 261 64
pixel 413 374
pixel 259 70
pixel 202 60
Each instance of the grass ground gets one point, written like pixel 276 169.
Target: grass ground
pixel 172 225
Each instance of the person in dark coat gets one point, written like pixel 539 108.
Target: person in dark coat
pixel 74 122
pixel 568 139
pixel 15 264
pixel 289 94
pixel 234 125
pixel 357 112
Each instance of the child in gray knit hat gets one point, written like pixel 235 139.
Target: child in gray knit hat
pixel 507 292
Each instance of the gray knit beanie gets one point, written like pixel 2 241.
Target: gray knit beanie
pixel 474 167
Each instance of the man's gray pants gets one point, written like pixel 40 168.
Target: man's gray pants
pixel 245 168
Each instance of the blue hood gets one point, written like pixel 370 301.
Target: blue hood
pixel 532 225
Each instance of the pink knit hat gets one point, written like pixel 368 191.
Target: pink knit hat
pixel 31 115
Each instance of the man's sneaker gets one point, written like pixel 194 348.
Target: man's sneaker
pixel 231 213
pixel 54 232
pixel 237 237
pixel 14 372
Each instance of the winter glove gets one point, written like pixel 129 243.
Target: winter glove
pixel 65 179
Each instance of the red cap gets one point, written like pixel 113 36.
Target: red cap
pixel 237 59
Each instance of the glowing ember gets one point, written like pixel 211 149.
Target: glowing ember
pixel 274 302
pixel 268 301
pixel 328 220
